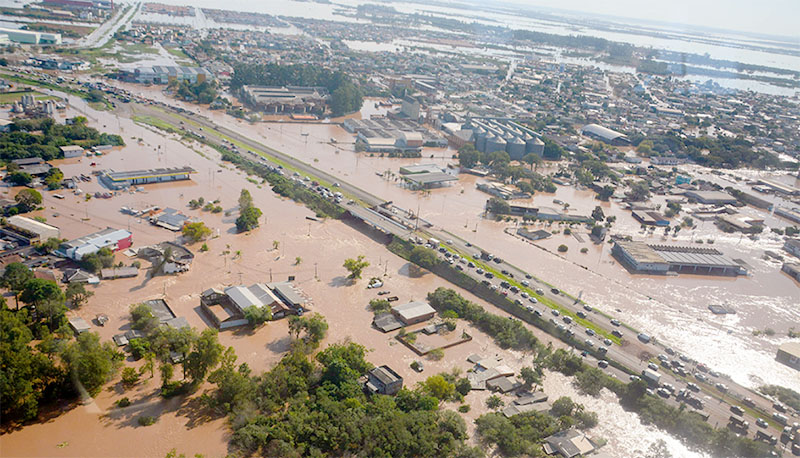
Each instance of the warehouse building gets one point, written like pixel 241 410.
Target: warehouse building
pixel 604 134
pixel 661 259
pixel 711 197
pixel 115 239
pixel 286 99
pixel 789 354
pixel 413 312
pixel 503 134
pixel 402 133
pixel 30 37
pixel 120 180
pixel 31 230
pixel 72 151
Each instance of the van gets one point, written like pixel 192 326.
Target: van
pixel 644 338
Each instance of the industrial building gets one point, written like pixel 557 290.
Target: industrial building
pixel 30 230
pixel 711 197
pixel 33 166
pixel 226 308
pixel 286 99
pixel 650 218
pixel 115 239
pixel 502 134
pixel 120 180
pixel 164 74
pixel 792 246
pixel 392 135
pixel 413 312
pixel 661 259
pixel 72 151
pixel 383 380
pixel 426 175
pixel 604 134
pixel 30 37
pixel 789 354
pixel 792 214
pixel 792 269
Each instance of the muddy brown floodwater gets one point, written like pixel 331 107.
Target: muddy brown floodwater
pixel 312 252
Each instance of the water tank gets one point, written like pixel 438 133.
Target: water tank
pixel 495 143
pixel 515 148
pixel 480 138
pixel 534 145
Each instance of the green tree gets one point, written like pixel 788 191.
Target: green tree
pixel 54 178
pixel 597 214
pixel 498 206
pixel 48 246
pixel 167 371
pixel 313 326
pixel 26 375
pixel 195 232
pixel 532 160
pixel 90 361
pixel 468 156
pixel 355 266
pixel 19 178
pixel 438 387
pixel 606 192
pixel 257 315
pixel 530 376
pixel 37 291
pixel 143 318
pixel 248 219
pixel 245 200
pixel 424 257
pixel 204 356
pixel 77 295
pixel 639 191
pixel 563 406
pixel 130 376
pixel 494 402
pixel 28 199
pixel 15 277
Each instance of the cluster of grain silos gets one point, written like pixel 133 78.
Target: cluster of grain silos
pixel 497 134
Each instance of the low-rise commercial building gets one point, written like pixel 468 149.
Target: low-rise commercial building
pixel 120 180
pixel 114 239
pixel 72 151
pixel 604 134
pixel 30 230
pixel 661 259
pixel 711 197
pixel 286 99
pixel 413 312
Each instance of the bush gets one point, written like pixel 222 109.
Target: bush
pixel 146 420
pixel 378 306
pixel 130 376
pixel 124 402
pixel 437 354
pixel 562 248
pixel 463 408
pixel 494 402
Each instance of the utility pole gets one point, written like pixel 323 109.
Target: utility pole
pixel 270 274
pixel 315 271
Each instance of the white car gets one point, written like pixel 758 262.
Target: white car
pixel 376 284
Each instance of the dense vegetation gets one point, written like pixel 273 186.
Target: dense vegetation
pixel 346 97
pixel 721 151
pixel 248 214
pixel 789 397
pixel 43 137
pixel 57 367
pixel 200 92
pixel 306 407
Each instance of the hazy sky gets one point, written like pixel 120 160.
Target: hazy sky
pixel 774 17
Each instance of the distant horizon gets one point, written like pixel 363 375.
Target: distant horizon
pixel 769 18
